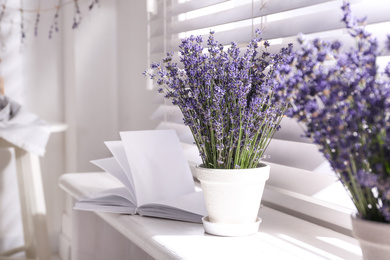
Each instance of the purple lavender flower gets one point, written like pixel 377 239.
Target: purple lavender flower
pixel 345 106
pixel 226 98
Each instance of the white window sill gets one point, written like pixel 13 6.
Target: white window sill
pixel 281 236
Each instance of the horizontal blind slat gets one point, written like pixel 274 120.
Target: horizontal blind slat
pixel 293 202
pixel 291 130
pixel 243 37
pixel 232 15
pixel 291 178
pixel 310 23
pixel 324 21
pixel 295 154
pixel 180 8
pixel 182 131
pixel 242 12
pixel 192 154
pixel 168 113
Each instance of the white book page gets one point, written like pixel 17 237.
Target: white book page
pixel 159 167
pixel 106 208
pixel 117 149
pixel 117 192
pixel 114 200
pixel 111 166
pixel 191 202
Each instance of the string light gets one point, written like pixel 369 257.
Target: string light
pixel 77 16
pixel 47 9
pixel 6 10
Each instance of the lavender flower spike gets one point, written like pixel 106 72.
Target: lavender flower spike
pixel 226 98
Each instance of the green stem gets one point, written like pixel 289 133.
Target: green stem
pixel 238 148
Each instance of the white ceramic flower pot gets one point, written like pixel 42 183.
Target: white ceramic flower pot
pixel 233 199
pixel 373 237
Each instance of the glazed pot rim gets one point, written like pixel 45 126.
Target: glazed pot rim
pixel 259 165
pixel 355 216
pixel 259 174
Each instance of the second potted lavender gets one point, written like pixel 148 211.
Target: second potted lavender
pixel 343 100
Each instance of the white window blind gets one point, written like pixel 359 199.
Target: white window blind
pixel 301 181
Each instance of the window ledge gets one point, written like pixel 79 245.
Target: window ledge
pixel 281 236
pixel 308 208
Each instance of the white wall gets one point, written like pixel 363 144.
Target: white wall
pixel 104 60
pixel 135 102
pixel 89 78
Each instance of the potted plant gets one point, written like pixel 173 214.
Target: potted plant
pixel 343 101
pixel 227 100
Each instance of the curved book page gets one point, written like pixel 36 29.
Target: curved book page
pixel 111 166
pixel 158 165
pixel 188 207
pixel 113 200
pixel 119 153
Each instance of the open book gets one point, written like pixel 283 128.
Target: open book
pixel 156 177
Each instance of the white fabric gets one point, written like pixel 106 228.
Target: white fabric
pixel 22 128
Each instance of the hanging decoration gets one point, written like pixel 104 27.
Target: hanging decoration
pixel 27 16
pixel 22 33
pixel 93 4
pixel 32 12
pixel 54 25
pixel 5 7
pixel 37 18
pixel 77 15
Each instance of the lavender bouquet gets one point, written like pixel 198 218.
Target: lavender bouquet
pixel 344 103
pixel 226 98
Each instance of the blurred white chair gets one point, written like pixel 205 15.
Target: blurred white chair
pixel 33 206
pixel 27 134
